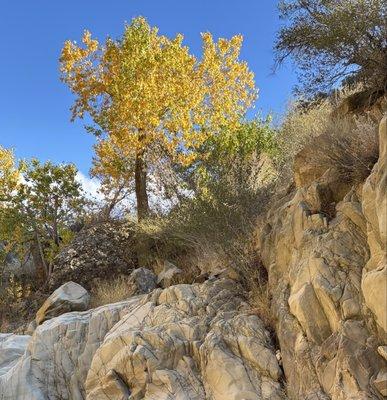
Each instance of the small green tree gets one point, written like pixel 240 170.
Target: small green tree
pixel 335 40
pixel 229 160
pixel 36 215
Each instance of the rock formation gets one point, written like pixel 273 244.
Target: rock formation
pixel 195 341
pixel 327 276
pixel 324 247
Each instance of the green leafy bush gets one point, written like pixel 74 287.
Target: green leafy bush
pixel 35 216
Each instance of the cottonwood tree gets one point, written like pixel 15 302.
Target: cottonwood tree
pixel 335 40
pixel 115 173
pixel 145 89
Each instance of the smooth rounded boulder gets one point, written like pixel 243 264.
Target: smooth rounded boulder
pixel 68 297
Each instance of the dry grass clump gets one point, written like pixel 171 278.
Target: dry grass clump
pixel 300 127
pixel 112 291
pixel 254 278
pixel 351 147
pixel 348 143
pixel 260 300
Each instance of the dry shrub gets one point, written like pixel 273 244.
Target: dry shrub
pixel 299 127
pixel 112 291
pixel 348 143
pixel 259 299
pixel 206 234
pixel 351 147
pixel 210 242
pixel 245 258
pixel 19 301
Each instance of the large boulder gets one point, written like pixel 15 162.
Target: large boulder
pixel 99 251
pixel 142 280
pixel 196 341
pixel 68 297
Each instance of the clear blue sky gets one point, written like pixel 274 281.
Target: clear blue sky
pixel 34 104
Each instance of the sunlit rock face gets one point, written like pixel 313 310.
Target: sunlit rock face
pixel 197 341
pixel 327 276
pixel 374 282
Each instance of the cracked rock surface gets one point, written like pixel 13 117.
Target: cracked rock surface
pixel 197 341
pixel 328 280
pixel 323 245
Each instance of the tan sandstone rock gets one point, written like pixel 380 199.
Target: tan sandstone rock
pixel 374 281
pixel 322 263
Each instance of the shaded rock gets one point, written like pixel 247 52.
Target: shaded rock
pixel 99 251
pixel 142 280
pixel 69 297
pixel 227 273
pixel 370 101
pixel 168 275
pixel 381 382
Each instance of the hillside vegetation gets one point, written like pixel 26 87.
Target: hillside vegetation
pixel 275 229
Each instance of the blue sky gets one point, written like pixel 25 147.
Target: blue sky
pixel 34 104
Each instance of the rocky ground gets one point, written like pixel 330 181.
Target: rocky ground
pixel 184 342
pixel 324 247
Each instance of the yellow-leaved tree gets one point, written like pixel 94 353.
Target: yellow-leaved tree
pixel 9 174
pixel 146 89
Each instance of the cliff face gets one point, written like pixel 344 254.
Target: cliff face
pixel 324 247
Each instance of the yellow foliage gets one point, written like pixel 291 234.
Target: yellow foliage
pixel 147 88
pixel 9 173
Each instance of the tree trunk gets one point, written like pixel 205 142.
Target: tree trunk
pixel 55 223
pixel 140 175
